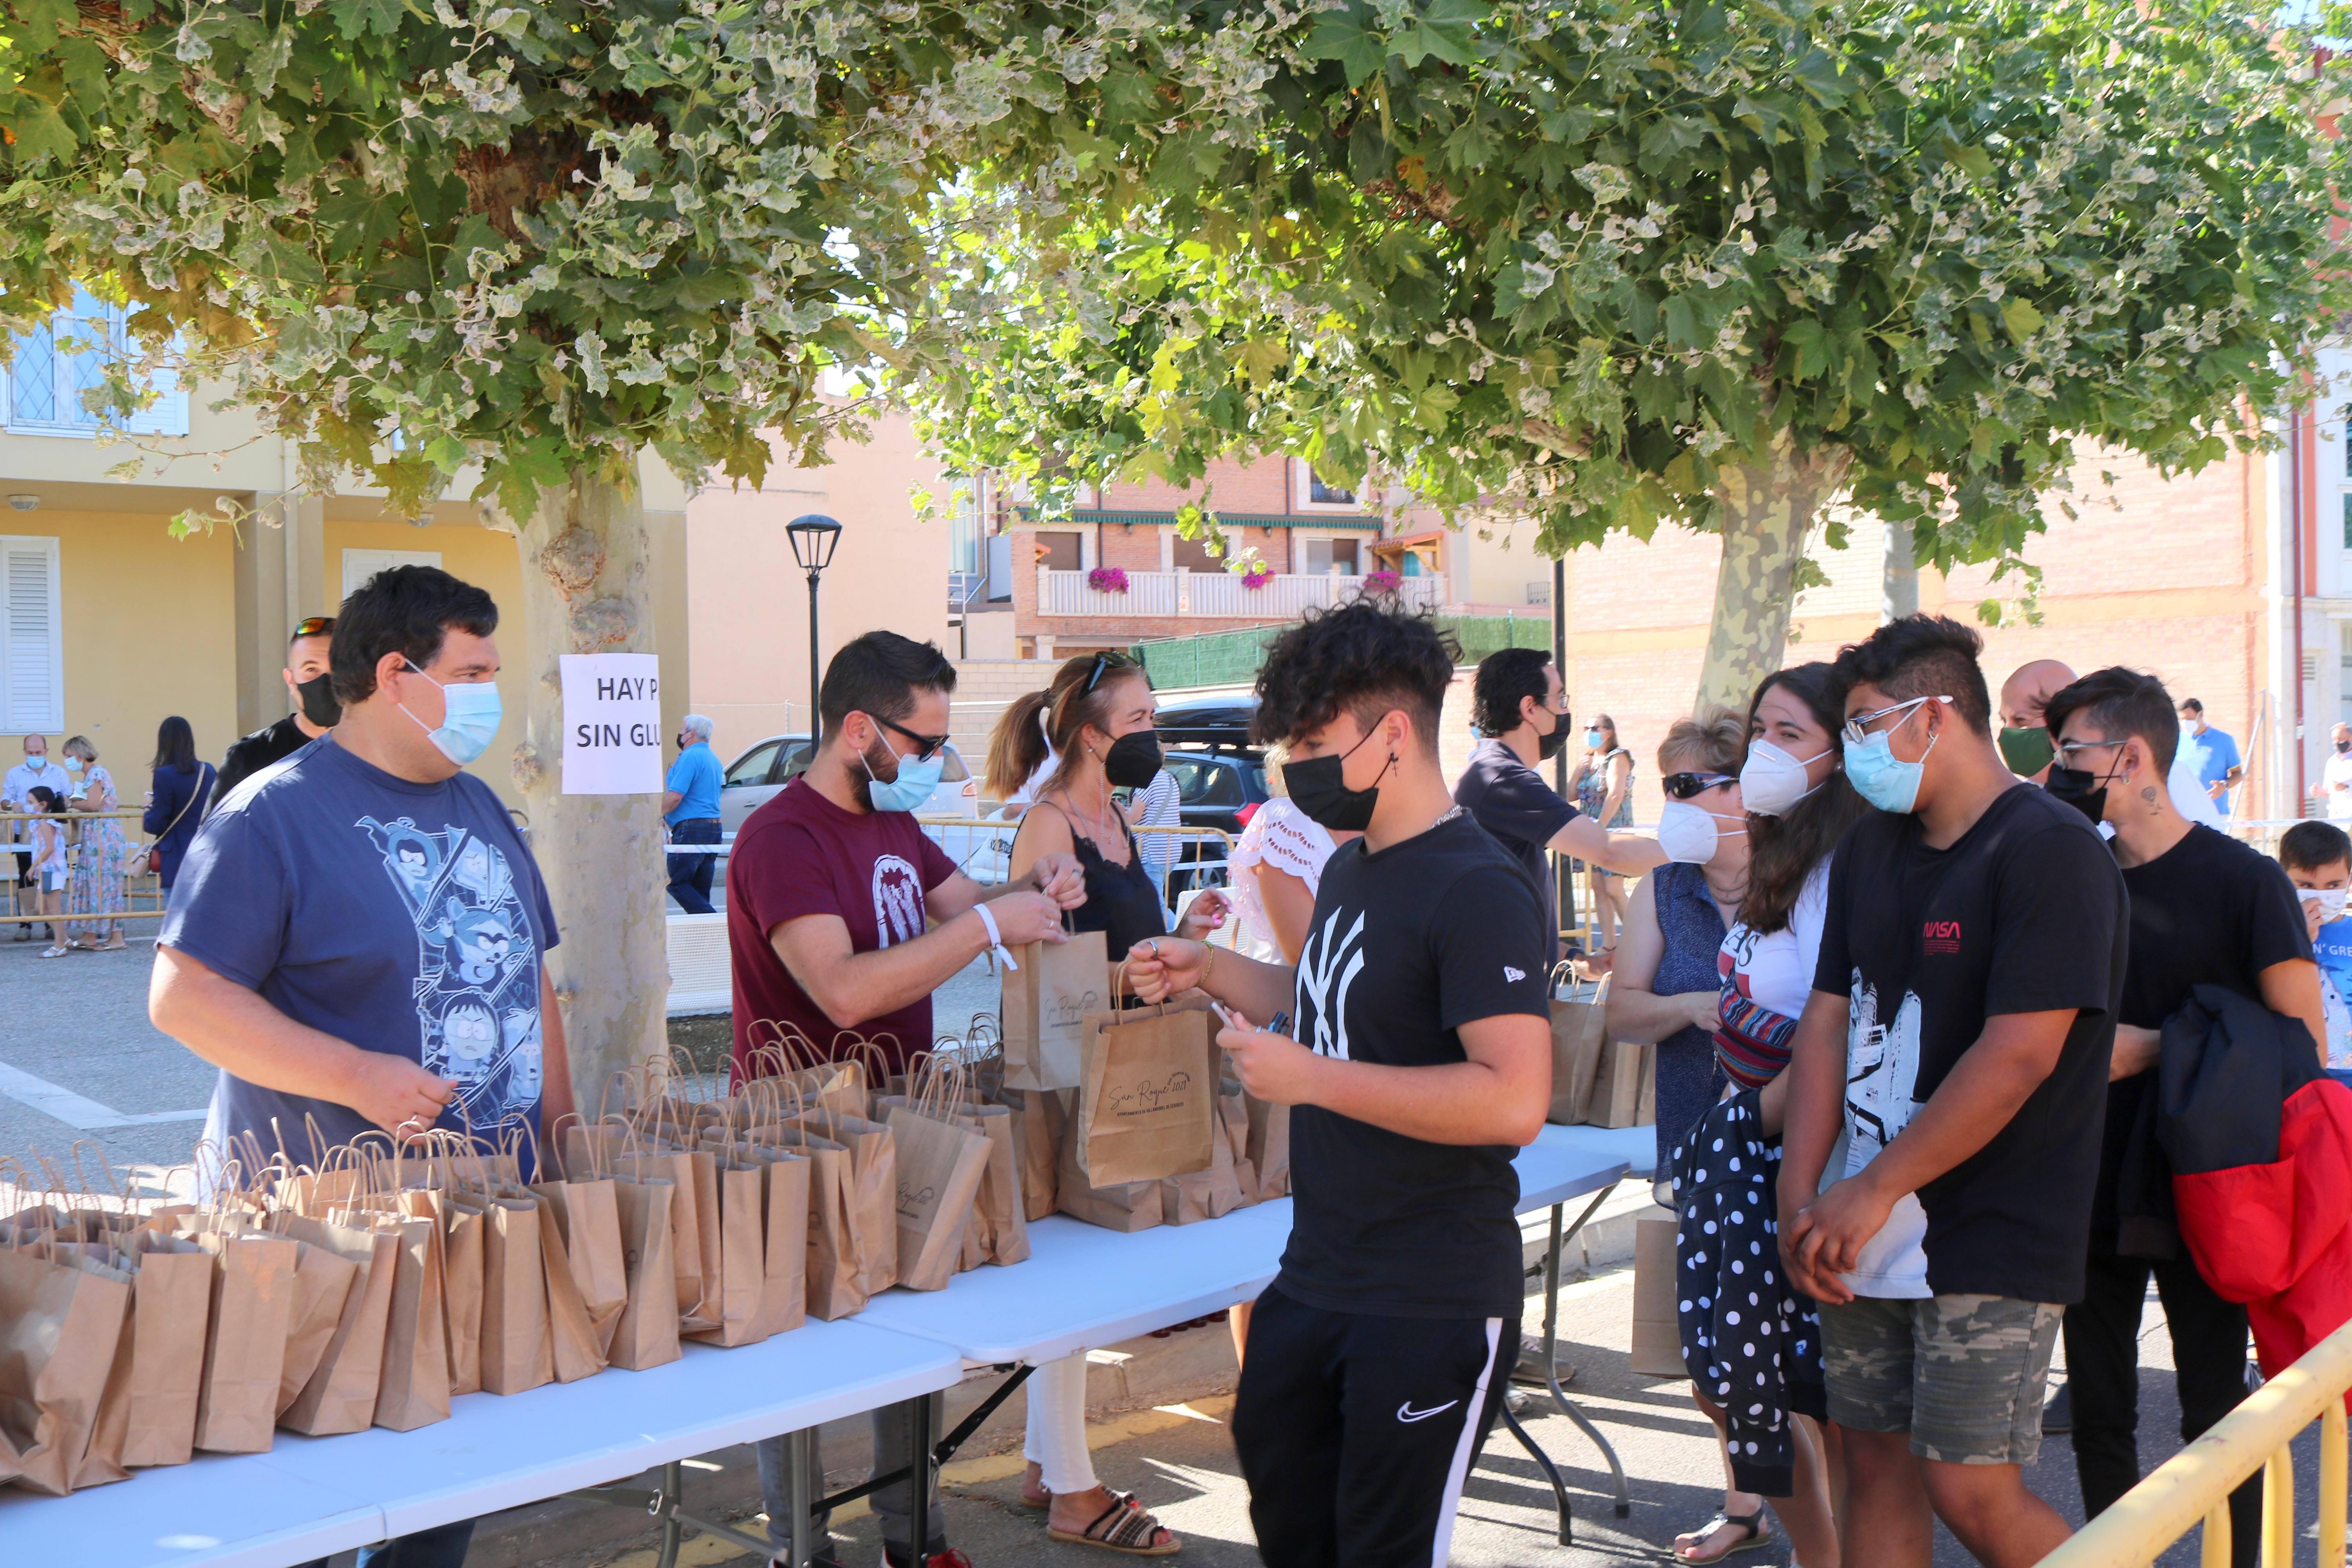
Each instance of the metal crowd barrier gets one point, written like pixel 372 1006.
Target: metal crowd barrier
pixel 2195 1484
pixel 144 894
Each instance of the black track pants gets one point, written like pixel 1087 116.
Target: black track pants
pixel 1356 1433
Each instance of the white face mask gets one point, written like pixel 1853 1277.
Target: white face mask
pixel 1689 832
pixel 2329 900
pixel 1772 782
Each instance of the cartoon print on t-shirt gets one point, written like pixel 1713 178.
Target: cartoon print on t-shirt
pixel 897 902
pixel 477 988
pixel 1882 1072
pixel 1328 967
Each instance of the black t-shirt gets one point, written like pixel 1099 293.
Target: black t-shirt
pixel 1406 946
pixel 2025 913
pixel 1511 801
pixel 2208 911
pixel 249 756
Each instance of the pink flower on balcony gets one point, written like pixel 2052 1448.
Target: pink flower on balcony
pixel 1107 580
pixel 1258 574
pixel 1382 581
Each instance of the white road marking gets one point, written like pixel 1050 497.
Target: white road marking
pixel 73 1109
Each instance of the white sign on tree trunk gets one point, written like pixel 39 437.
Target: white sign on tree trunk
pixel 612 723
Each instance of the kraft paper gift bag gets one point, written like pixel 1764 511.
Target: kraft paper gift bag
pixel 646 1334
pixel 1204 1194
pixel 1617 1085
pixel 245 1350
pixel 457 1268
pixel 171 1306
pixel 940 1168
pixel 1046 1002
pixel 1131 1206
pixel 571 1335
pixel 60 1325
pixel 1269 1147
pixel 339 1394
pixel 783 1297
pixel 1000 1219
pixel 1041 1123
pixel 834 1245
pixel 874 1186
pixel 413 1386
pixel 323 1286
pixel 517 1356
pixel 689 1248
pixel 742 1257
pixel 1579 1032
pixel 1232 1115
pixel 100 1459
pixel 1148 1101
pixel 1657 1333
pixel 587 1218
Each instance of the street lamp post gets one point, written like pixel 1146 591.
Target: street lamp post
pixel 813 537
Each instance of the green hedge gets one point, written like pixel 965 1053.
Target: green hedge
pixel 1232 658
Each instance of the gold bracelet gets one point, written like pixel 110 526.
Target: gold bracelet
pixel 1209 965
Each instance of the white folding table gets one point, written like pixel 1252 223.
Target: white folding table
pixel 1084 1287
pixel 309 1496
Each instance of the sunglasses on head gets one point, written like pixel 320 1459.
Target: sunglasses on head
pixel 314 626
pixel 1682 786
pixel 1104 661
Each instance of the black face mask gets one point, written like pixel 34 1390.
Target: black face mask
pixel 1318 788
pixel 1549 746
pixel 2073 786
pixel 1133 761
pixel 319 705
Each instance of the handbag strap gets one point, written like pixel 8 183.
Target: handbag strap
pixel 194 795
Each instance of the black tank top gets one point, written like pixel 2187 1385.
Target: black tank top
pixel 1121 902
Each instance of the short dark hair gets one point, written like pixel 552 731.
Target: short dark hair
pixel 2192 705
pixel 1505 677
pixel 2310 845
pixel 1922 656
pixel 407 610
pixel 2122 702
pixel 175 745
pixel 1360 658
pixel 878 675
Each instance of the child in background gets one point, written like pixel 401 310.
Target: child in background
pixel 49 863
pixel 2317 857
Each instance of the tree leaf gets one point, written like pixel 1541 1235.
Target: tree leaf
pixel 2021 319
pixel 1344 36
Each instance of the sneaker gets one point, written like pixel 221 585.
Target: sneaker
pixel 2058 1412
pixel 1530 1366
pixel 952 1557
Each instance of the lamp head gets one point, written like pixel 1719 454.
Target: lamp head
pixel 814 535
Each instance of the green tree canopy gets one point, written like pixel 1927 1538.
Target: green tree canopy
pixel 1606 263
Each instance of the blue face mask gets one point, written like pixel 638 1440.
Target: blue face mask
pixel 1881 777
pixel 470 714
pixel 911 790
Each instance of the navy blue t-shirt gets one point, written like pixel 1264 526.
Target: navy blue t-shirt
pixel 404 918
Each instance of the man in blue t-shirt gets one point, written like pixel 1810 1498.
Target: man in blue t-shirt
pixel 2213 753
pixel 2318 860
pixel 356 933
pixel 690 807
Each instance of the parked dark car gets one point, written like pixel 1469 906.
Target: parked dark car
pixel 1220 773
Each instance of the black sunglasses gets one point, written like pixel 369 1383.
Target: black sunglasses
pixel 1682 786
pixel 925 745
pixel 1103 661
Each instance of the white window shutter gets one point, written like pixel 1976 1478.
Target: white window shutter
pixel 168 415
pixel 32 662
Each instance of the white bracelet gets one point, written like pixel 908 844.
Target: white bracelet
pixel 995 940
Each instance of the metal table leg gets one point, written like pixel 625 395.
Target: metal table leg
pixel 800 1452
pixel 673 1482
pixel 1552 1340
pixel 664 1504
pixel 919 1512
pixel 1551 1473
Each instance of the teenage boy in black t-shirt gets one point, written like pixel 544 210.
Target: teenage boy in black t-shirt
pixel 1971 961
pixel 1421 1056
pixel 2205 910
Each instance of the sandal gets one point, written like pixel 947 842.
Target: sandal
pixel 53 952
pixel 1759 1534
pixel 1127 1526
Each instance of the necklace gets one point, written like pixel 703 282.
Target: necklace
pixel 1720 897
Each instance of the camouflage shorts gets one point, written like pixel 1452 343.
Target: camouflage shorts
pixel 1963 1374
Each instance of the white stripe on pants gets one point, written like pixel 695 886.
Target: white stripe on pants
pixel 1460 1471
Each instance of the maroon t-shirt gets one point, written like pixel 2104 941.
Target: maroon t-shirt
pixel 802 855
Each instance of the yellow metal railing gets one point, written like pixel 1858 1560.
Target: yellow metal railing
pixel 144 893
pixel 2195 1484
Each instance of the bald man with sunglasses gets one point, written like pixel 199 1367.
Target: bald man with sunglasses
pixel 316 712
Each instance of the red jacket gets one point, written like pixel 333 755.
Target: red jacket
pixel 2259 1143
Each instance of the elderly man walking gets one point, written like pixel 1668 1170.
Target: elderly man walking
pixel 690 807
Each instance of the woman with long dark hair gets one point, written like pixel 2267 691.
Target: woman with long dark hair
pixel 175 796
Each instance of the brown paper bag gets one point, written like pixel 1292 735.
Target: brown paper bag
pixel 572 1336
pixel 1657 1335
pixel 413 1385
pixel 339 1394
pixel 834 1245
pixel 939 1167
pixel 588 1220
pixel 61 1323
pixel 321 1287
pixel 1269 1148
pixel 783 1297
pixel 742 1277
pixel 1147 1107
pixel 1046 1001
pixel 1129 1207
pixel 1000 1219
pixel 688 1172
pixel 874 1186
pixel 1232 1114
pixel 517 1354
pixel 460 1238
pixel 1041 1120
pixel 171 1306
pixel 245 1349
pixel 1617 1088
pixel 100 1459
pixel 1579 1032
pixel 646 1334
pixel 1204 1194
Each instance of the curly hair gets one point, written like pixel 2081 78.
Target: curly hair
pixel 1359 658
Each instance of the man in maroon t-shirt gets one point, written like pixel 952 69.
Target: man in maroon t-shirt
pixel 829 890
